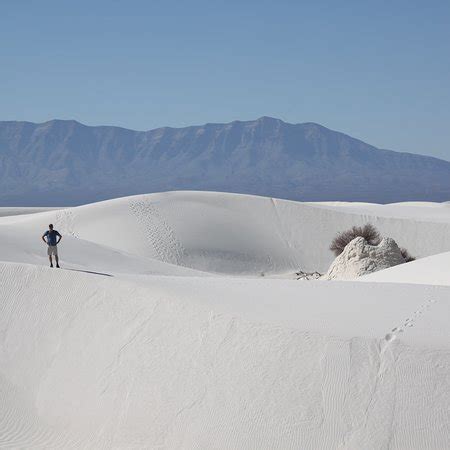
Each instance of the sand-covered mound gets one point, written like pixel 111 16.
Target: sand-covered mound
pixel 360 258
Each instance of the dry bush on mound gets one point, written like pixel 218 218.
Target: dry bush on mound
pixel 368 232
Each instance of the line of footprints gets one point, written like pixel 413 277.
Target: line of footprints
pixel 409 322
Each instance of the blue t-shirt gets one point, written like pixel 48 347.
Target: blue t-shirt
pixel 51 237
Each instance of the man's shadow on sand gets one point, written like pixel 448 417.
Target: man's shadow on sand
pixel 93 273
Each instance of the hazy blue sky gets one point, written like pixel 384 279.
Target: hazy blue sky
pixel 379 71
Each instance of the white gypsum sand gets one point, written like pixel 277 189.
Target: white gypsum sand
pixel 217 232
pixel 434 270
pixel 174 340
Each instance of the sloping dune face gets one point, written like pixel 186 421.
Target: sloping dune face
pixel 433 270
pixel 227 233
pixel 99 362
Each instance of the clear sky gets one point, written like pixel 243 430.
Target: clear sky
pixel 377 70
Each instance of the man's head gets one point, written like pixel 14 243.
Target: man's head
pixel 50 226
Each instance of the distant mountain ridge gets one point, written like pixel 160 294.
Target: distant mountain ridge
pixel 67 163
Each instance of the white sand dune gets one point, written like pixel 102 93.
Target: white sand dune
pixel 173 351
pixel 221 233
pixel 433 270
pixel 11 211
pixel 98 362
pixel 418 211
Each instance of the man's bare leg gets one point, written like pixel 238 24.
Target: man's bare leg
pixel 51 262
pixel 57 261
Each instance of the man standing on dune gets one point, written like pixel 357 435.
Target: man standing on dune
pixel 52 238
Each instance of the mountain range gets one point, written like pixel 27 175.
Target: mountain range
pixel 63 163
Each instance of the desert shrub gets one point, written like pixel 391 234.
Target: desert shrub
pixel 406 255
pixel 368 232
